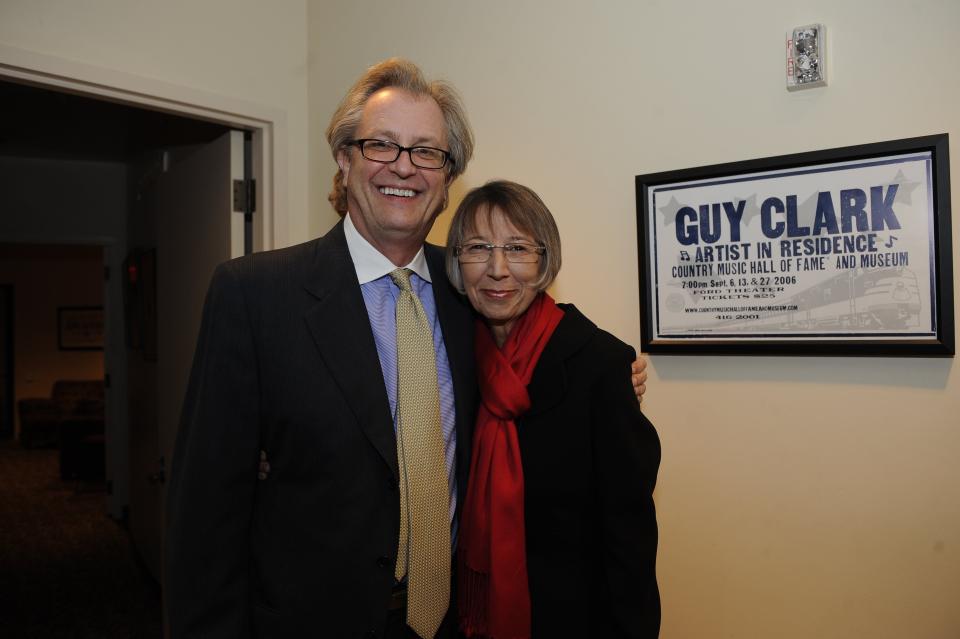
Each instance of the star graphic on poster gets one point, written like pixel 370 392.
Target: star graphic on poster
pixel 905 189
pixel 669 211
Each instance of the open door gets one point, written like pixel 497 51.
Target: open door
pixel 197 227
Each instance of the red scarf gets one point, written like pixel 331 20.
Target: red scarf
pixel 494 599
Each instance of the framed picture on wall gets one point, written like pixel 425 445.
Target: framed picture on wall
pixel 843 251
pixel 80 328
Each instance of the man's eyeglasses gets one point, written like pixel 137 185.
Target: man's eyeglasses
pixel 425 157
pixel 518 252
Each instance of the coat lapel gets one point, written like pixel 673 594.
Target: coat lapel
pixel 341 330
pixel 549 383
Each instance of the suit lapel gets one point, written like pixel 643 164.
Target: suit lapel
pixel 341 330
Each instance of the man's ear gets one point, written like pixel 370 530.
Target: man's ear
pixel 343 161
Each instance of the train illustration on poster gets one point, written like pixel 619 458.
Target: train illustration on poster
pixel 881 300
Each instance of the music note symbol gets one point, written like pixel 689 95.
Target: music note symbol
pixel 890 242
pixel 684 256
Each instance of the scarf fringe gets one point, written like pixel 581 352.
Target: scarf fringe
pixel 473 602
pixel 473 606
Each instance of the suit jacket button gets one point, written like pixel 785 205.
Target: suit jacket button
pixel 383 562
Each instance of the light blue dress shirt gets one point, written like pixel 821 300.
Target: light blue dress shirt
pixel 380 297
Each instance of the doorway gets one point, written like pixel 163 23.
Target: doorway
pixel 78 170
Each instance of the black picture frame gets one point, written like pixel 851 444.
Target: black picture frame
pixel 860 312
pixel 80 328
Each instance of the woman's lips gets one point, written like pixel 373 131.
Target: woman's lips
pixel 497 294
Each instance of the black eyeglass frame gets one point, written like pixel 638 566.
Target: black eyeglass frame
pixel 447 158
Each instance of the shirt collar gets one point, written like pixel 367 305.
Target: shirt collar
pixel 370 263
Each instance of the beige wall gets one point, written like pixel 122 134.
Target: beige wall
pixel 45 278
pixel 798 497
pixel 242 50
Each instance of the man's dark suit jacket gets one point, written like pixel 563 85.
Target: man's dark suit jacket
pixel 590 461
pixel 286 363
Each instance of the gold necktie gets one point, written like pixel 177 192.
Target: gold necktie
pixel 423 553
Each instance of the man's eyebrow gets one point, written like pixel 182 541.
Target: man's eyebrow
pixel 392 136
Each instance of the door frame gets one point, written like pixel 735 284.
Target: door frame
pixel 267 124
pixel 268 127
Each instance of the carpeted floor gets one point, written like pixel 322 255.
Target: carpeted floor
pixel 66 569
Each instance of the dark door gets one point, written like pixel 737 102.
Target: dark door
pixel 6 361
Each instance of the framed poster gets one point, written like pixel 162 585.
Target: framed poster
pixel 80 328
pixel 839 252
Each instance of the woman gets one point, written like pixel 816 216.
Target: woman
pixel 558 534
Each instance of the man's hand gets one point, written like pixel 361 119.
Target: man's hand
pixel 639 377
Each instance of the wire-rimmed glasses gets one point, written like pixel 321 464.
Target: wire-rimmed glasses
pixel 517 252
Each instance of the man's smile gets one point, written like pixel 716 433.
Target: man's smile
pixel 389 190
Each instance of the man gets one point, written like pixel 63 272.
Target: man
pixel 299 363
